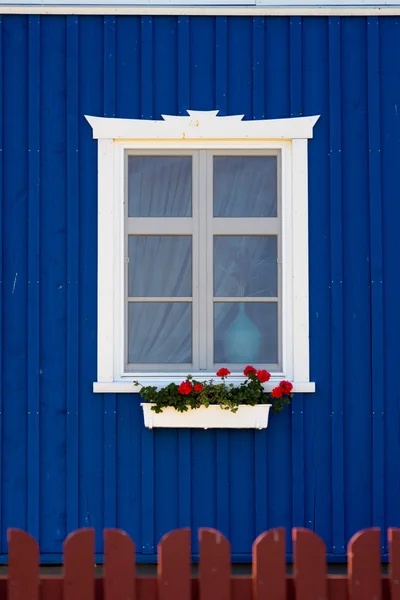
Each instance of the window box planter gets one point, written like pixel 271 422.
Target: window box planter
pixel 211 417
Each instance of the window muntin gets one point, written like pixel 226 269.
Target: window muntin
pixel 226 255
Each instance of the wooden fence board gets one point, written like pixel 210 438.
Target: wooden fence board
pixel 365 566
pixel 79 565
pixel 215 565
pixel 23 566
pixel 174 569
pixel 269 566
pixel 309 566
pixel 394 562
pixel 214 581
pixel 119 566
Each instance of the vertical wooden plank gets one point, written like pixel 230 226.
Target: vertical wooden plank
pixel 258 68
pixel 148 543
pixel 147 491
pixel 174 576
pixel 317 419
pixel 1 276
pixel 119 566
pixel 147 67
pixel 309 566
pixel 376 266
pixel 337 347
pixel 184 436
pixel 79 565
pixel 297 406
pixel 269 566
pixel 14 256
pixel 110 405
pixel 23 566
pixel 215 566
pixel 260 437
pixel 222 437
pixel 33 275
pixel 365 565
pixel 394 563
pixel 183 65
pixel 221 65
pixel 184 478
pixel 222 482
pixel 72 273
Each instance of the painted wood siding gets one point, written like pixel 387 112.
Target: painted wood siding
pixel 70 458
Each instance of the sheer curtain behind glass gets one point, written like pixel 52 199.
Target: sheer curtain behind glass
pixel 245 265
pixel 159 266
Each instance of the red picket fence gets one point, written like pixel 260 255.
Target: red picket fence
pixel 174 580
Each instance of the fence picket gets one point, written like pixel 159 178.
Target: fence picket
pixel 269 565
pixel 309 565
pixel 174 581
pixel 79 565
pixel 365 580
pixel 23 566
pixel 215 566
pixel 174 568
pixel 394 563
pixel 119 566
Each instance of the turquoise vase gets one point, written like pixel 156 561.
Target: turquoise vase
pixel 242 339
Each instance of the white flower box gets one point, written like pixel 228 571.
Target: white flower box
pixel 211 417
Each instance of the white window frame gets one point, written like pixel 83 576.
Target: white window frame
pixel 201 130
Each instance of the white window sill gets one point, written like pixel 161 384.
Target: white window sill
pixel 127 387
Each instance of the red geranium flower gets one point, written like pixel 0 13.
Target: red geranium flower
pixel 185 388
pixel 198 387
pixel 277 392
pixel 249 370
pixel 223 372
pixel 286 387
pixel 263 376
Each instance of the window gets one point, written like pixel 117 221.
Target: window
pixel 203 258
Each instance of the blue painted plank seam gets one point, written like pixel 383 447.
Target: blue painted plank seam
pixel 221 65
pixel 337 344
pixel 148 516
pixel 1 278
pixel 376 266
pixel 184 436
pixel 183 66
pixel 110 405
pixel 260 437
pixel 33 337
pixel 72 133
pixel 222 437
pixel 298 508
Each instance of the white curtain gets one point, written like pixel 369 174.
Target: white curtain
pixel 161 332
pixel 245 186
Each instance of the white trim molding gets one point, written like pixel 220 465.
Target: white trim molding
pixel 200 125
pixel 314 8
pixel 201 130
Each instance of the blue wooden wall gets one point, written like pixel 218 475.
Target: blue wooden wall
pixel 70 458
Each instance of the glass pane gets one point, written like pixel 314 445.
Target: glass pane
pixel 245 265
pixel 160 265
pixel 159 186
pixel 159 332
pixel 246 333
pixel 245 186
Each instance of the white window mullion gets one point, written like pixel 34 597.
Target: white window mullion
pixel 246 226
pixel 160 226
pixel 204 258
pixel 196 260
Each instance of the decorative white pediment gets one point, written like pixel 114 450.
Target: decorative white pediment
pixel 202 125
